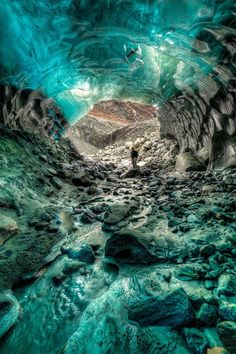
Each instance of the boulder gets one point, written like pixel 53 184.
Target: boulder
pixel 187 273
pixel 227 334
pixel 170 309
pixel 129 246
pixel 81 179
pixel 207 314
pixel 82 252
pixel 226 285
pixel 116 213
pixel 8 227
pixel 196 341
pixel 227 311
pixel 186 162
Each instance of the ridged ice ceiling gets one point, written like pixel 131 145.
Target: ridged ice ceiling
pixel 81 52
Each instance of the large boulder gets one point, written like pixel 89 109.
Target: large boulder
pixel 129 246
pixel 10 311
pixel 116 213
pixel 171 309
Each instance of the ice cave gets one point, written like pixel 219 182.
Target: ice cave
pixel 118 177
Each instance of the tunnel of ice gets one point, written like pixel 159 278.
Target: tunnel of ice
pixel 177 55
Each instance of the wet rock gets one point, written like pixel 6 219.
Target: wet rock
pixel 81 179
pixel 227 334
pixel 41 225
pixel 129 246
pixel 88 217
pixel 8 227
pixel 187 273
pixel 207 250
pixel 207 314
pixel 116 213
pixel 10 311
pixel 57 182
pixel 196 341
pixel 72 266
pixel 83 253
pixel 186 162
pixel 226 285
pixel 227 311
pixel 224 247
pixel 171 309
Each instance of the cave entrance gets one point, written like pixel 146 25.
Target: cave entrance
pixel 109 130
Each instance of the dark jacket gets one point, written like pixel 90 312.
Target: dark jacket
pixel 134 154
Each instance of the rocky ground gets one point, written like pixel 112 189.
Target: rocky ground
pixel 124 261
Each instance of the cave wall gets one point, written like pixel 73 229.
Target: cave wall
pixel 30 110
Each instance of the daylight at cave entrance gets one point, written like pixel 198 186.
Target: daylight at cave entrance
pixel 117 177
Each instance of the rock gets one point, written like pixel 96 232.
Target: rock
pixel 207 250
pixel 116 213
pixel 227 334
pixel 187 273
pixel 171 309
pixel 129 246
pixel 88 217
pixel 130 173
pixel 41 225
pixel 227 311
pixel 226 285
pixel 10 311
pixel 83 253
pixel 209 284
pixel 196 341
pixel 186 162
pixel 8 227
pixel 81 179
pixel 207 314
pixel 192 219
pixel 72 266
pixel 57 182
pixel 224 247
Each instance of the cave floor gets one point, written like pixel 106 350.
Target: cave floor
pixel 98 258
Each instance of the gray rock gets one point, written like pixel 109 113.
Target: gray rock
pixel 81 179
pixel 171 309
pixel 116 213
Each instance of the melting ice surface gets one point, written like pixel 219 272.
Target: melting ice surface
pixel 83 51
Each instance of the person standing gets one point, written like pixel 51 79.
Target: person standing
pixel 134 157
